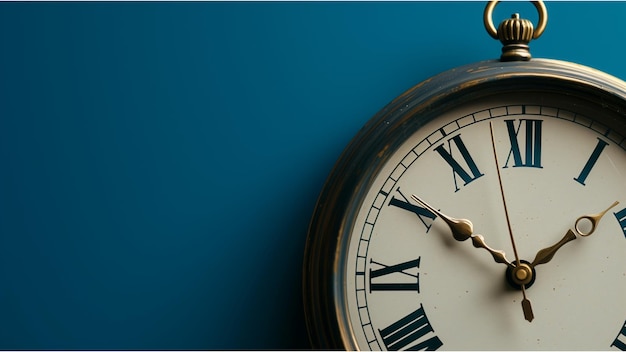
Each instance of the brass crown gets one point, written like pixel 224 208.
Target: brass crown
pixel 515 33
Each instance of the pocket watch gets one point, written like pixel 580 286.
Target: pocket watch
pixel 484 208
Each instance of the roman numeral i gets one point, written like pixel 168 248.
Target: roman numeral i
pixel 593 158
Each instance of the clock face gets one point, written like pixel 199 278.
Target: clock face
pixel 407 283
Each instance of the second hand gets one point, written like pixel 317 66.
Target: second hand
pixel 526 306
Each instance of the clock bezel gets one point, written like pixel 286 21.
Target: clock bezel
pixel 353 173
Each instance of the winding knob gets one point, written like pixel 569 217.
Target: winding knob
pixel 515 33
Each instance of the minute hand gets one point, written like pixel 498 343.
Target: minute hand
pixel 462 229
pixel 546 254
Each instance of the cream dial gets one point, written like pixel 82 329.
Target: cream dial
pixel 409 284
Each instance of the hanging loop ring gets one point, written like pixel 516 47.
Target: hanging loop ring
pixel 541 24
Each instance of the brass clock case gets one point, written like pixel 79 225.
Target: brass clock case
pixel 344 191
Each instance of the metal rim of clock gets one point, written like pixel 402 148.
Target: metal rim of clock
pixel 537 32
pixel 345 188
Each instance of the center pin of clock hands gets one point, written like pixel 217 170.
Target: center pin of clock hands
pixel 522 272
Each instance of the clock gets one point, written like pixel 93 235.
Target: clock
pixel 484 208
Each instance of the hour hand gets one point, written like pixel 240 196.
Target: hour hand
pixel 546 254
pixel 462 229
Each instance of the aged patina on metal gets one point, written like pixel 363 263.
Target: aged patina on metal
pixel 344 191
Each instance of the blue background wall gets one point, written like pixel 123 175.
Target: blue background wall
pixel 160 161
